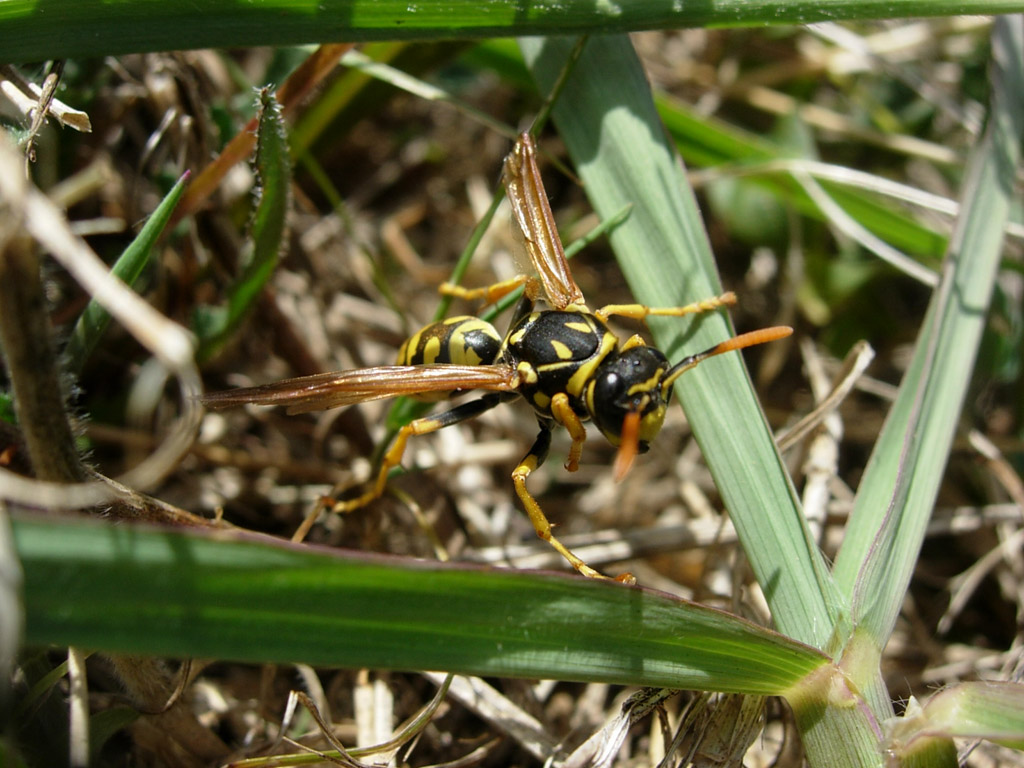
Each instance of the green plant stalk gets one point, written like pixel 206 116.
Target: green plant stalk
pixel 113 27
pixel 897 493
pixel 837 729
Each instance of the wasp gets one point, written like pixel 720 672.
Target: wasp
pixel 563 360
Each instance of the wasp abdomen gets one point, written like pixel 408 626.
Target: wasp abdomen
pixel 460 340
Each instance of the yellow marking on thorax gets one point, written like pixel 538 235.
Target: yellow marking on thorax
pixel 561 349
pixel 527 373
pixel 516 337
pixel 579 325
pixel 541 401
pixel 586 371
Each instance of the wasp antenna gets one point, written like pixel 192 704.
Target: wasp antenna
pixel 742 341
pixel 629 442
pixel 751 339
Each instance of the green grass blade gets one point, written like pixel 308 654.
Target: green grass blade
pixel 128 589
pixel 608 121
pixel 95 319
pixel 899 486
pixel 215 325
pixel 113 27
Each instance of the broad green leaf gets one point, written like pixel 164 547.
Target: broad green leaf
pixel 608 122
pixel 128 589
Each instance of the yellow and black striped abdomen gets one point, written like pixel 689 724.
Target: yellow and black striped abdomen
pixel 460 340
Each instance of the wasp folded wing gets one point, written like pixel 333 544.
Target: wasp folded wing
pixel 532 215
pixel 341 388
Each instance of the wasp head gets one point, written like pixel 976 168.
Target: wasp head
pixel 627 398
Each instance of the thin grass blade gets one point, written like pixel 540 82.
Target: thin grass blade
pixel 978 710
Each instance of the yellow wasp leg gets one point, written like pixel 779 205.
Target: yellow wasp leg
pixel 540 522
pixel 566 416
pixel 391 459
pixel 423 426
pixel 493 293
pixel 640 312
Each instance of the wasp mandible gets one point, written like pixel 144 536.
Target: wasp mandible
pixel 564 361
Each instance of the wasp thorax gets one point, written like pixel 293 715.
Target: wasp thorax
pixel 631 382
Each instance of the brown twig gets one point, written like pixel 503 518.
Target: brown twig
pixel 31 359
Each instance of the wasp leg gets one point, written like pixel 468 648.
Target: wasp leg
pixel 566 416
pixel 640 312
pixel 493 293
pixel 541 524
pixel 423 426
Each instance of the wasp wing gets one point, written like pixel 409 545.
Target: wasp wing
pixel 532 214
pixel 341 388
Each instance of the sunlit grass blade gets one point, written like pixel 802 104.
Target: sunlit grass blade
pixel 95 319
pixel 112 27
pixel 899 486
pixel 607 119
pixel 273 167
pixel 132 590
